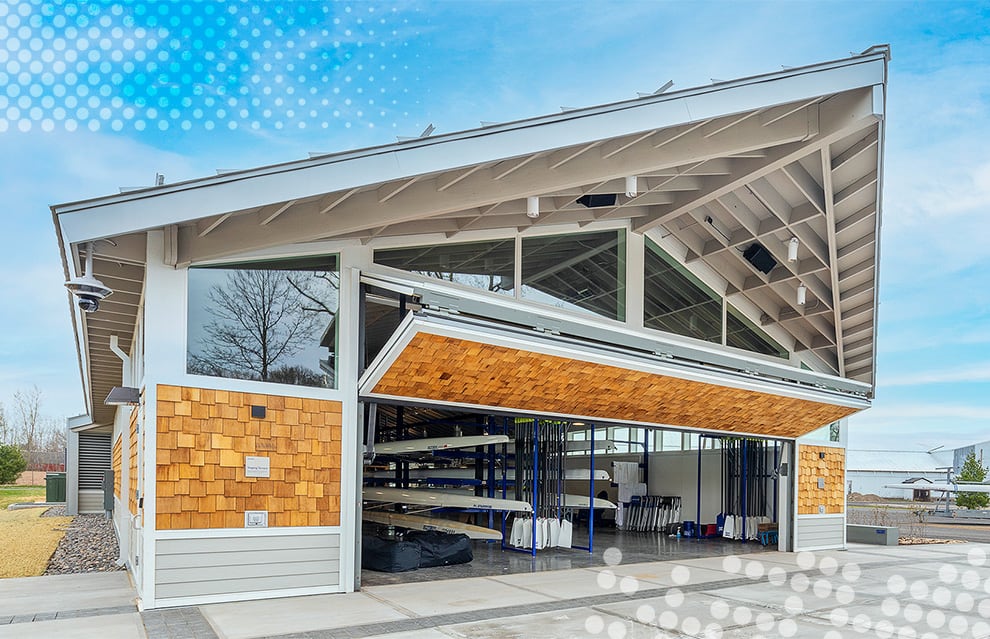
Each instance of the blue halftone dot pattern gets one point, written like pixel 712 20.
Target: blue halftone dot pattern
pixel 200 65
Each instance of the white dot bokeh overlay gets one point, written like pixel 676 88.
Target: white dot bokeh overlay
pixel 188 64
pixel 951 601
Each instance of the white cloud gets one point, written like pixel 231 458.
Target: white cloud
pixel 970 374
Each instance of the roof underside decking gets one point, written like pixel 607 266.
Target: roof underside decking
pixel 796 154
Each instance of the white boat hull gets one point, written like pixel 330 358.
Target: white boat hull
pixel 437 443
pixel 430 523
pixel 575 474
pixel 440 499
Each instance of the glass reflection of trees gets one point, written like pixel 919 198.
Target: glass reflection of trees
pixel 268 321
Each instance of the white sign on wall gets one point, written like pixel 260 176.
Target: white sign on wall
pixel 257 467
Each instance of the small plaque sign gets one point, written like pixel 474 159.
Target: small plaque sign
pixel 257 467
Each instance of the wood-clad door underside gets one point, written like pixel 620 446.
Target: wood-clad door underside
pixel 446 369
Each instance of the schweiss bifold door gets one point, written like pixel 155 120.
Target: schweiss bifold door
pixel 502 356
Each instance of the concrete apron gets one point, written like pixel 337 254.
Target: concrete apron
pixel 937 590
pixel 69 606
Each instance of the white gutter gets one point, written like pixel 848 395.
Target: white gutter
pixel 125 369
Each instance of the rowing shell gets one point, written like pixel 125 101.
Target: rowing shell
pixel 430 523
pixel 575 474
pixel 440 499
pixel 437 443
pixel 581 501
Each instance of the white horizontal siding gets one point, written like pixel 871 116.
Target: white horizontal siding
pixel 820 532
pixel 201 567
pixel 90 501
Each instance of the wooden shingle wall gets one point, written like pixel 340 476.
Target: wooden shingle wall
pixel 116 457
pixel 442 368
pixel 132 502
pixel 812 467
pixel 203 438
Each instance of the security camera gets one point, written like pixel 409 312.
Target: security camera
pixel 88 291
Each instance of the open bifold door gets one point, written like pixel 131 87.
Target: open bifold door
pixel 455 360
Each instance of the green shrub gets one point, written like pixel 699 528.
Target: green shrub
pixel 972 471
pixel 12 463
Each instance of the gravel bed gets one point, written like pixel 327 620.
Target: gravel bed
pixel 89 545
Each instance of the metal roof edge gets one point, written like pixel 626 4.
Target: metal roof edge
pixel 872 54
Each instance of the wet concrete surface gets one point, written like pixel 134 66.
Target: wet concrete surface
pixel 491 560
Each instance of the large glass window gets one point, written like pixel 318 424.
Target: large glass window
pixel 485 265
pixel 584 272
pixel 742 333
pixel 271 321
pixel 678 302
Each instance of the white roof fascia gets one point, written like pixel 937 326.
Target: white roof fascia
pixel 195 199
pixel 79 422
pixel 67 251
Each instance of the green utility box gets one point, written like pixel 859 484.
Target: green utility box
pixel 55 487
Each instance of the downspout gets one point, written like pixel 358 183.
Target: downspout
pixel 125 376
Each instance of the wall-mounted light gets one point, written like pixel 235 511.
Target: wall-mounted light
pixel 632 186
pixel 792 249
pixel 802 295
pixel 123 396
pixel 533 207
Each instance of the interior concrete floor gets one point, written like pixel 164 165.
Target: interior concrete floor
pixel 491 560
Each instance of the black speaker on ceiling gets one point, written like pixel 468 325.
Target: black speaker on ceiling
pixel 597 201
pixel 760 258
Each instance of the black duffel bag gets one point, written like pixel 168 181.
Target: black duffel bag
pixel 388 555
pixel 440 548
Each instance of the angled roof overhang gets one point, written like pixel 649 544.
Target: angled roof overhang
pixel 792 154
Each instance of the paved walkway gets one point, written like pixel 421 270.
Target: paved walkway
pixel 920 591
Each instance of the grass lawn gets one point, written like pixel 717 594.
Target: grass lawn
pixel 27 541
pixel 10 494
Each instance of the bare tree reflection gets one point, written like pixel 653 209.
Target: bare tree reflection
pixel 261 319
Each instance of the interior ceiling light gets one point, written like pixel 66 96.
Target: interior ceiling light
pixel 533 207
pixel 792 249
pixel 802 295
pixel 597 201
pixel 632 186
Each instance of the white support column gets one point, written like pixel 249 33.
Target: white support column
pixel 635 278
pixel 351 432
pixel 164 358
pixel 71 471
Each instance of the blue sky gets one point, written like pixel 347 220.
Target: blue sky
pixel 100 95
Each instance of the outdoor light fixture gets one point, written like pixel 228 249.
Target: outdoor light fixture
pixel 87 289
pixel 533 207
pixel 632 186
pixel 792 249
pixel 802 295
pixel 123 396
